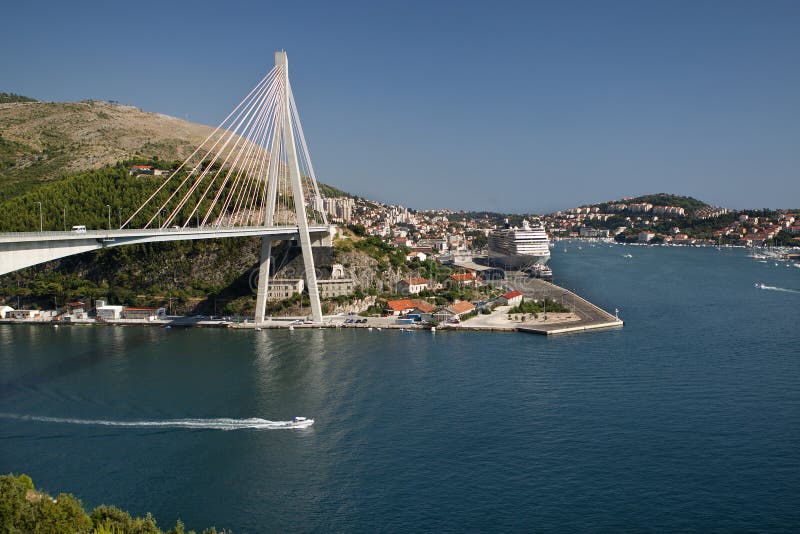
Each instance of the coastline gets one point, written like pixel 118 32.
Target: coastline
pixel 584 317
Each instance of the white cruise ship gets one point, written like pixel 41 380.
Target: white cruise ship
pixel 519 248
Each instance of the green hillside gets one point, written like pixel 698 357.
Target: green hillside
pixel 664 199
pixel 190 276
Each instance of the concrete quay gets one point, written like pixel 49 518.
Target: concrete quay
pixel 585 316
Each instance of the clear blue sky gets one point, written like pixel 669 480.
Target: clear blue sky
pixel 506 106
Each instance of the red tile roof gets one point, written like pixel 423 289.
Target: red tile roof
pixel 461 307
pixel 512 294
pixel 415 281
pixel 409 304
pixel 465 277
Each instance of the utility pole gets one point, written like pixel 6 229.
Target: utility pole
pixel 65 218
pixel 41 221
pixel 109 218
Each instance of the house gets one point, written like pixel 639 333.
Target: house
pixel 137 170
pixel 76 307
pixel 412 285
pixel 404 306
pixel 5 311
pixel 454 311
pixel 421 256
pixel 463 280
pixel 422 307
pixel 512 298
pixel 76 311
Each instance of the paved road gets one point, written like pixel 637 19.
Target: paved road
pixel 590 315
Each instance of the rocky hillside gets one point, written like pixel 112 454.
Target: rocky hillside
pixel 42 141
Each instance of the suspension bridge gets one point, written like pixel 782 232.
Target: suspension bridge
pixel 252 176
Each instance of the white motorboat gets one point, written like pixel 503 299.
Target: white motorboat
pixel 302 422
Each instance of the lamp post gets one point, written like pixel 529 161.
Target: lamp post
pixel 41 221
pixel 65 218
pixel 109 217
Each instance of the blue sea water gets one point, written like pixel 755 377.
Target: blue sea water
pixel 686 419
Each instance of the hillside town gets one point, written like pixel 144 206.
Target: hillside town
pixel 437 274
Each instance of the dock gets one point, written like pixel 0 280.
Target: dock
pixel 590 316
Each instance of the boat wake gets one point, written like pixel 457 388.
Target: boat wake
pixel 222 423
pixel 773 288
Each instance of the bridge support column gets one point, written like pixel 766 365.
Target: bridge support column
pixel 263 279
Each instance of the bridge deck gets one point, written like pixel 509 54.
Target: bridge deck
pixel 173 234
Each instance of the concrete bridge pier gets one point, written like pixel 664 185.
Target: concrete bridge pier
pixel 263 279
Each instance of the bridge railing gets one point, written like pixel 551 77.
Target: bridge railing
pixel 150 231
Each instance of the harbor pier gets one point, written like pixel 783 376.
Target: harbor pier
pixel 589 316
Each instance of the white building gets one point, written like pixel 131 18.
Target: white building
pixel 421 256
pixel 412 285
pixel 646 237
pixel 25 314
pixel 512 298
pixel 5 310
pixel 108 312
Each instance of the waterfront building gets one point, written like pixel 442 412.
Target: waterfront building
pixel 455 310
pixel 144 313
pixel 24 314
pixel 107 312
pixel 586 231
pixel 512 298
pixel 5 311
pixel 404 306
pixel 646 237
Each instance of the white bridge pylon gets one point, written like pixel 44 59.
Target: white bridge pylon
pixel 253 170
